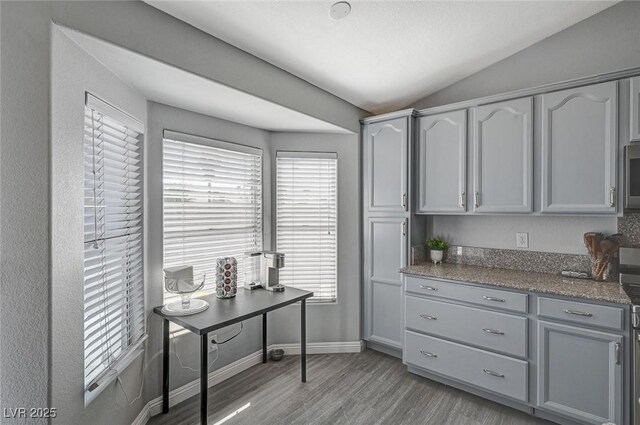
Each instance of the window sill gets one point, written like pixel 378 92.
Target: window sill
pixel 121 365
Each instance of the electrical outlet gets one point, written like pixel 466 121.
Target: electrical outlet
pixel 522 240
pixel 212 345
pixel 459 250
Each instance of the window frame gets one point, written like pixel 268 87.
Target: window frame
pixel 135 347
pixel 218 144
pixel 287 153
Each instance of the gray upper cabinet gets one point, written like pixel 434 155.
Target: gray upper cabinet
pixel 385 253
pixel 634 109
pixel 386 160
pixel 580 373
pixel 579 150
pixel 442 163
pixel 502 136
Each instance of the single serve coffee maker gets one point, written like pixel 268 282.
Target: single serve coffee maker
pixel 261 270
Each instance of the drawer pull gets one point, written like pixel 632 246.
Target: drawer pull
pixel 493 331
pixel 500 300
pixel 426 316
pixel 430 288
pixel 428 354
pixel 577 313
pixel 492 373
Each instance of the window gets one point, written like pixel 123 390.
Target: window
pixel 212 203
pixel 306 221
pixel 114 323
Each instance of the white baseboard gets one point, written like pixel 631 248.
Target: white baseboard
pixel 322 347
pixel 154 407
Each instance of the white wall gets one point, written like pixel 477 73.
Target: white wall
pixel 607 41
pixel 339 322
pixel 32 340
pixel 24 206
pixel 72 73
pixel 546 234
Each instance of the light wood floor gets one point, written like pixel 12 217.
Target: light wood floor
pixel 365 388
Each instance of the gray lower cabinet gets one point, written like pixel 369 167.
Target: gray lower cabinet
pixel 385 253
pixel 579 150
pixel 386 159
pixel 580 373
pixel 563 359
pixel 634 109
pixel 499 374
pixel 502 139
pixel 442 162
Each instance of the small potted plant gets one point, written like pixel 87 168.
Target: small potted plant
pixel 436 247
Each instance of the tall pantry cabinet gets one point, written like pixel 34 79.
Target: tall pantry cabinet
pixel 387 185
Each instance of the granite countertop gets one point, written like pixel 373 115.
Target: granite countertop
pixel 544 283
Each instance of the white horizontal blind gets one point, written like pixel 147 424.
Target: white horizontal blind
pixel 307 222
pixel 113 269
pixel 212 206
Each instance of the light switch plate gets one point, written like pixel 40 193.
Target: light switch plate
pixel 522 240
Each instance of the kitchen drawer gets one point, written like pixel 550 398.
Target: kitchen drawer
pixel 496 331
pixel 495 298
pixel 577 312
pixel 489 371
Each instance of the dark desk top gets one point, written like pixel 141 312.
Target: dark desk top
pixel 245 305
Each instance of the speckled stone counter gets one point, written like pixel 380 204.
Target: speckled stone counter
pixel 544 283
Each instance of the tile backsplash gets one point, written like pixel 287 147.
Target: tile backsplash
pixel 629 227
pixel 534 261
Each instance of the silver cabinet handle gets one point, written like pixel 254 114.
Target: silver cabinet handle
pixel 577 313
pixel 428 354
pixel 612 196
pixel 404 200
pixel 493 331
pixel 404 228
pixel 618 353
pixel 426 316
pixel 430 288
pixel 476 199
pixel 462 199
pixel 492 373
pixel 499 300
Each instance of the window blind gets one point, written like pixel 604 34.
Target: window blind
pixel 212 195
pixel 306 221
pixel 113 271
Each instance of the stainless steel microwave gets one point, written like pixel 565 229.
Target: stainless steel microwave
pixel 632 177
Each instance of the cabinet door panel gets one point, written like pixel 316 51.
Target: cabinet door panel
pixel 386 158
pixel 386 253
pixel 580 373
pixel 443 159
pixel 579 150
pixel 503 157
pixel 634 115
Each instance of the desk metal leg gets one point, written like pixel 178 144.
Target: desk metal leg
pixel 303 340
pixel 165 366
pixel 264 337
pixel 204 377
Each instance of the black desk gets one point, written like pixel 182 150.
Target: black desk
pixel 225 312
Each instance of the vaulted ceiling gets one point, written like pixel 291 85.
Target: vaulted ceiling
pixel 385 54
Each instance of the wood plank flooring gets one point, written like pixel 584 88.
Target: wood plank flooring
pixel 364 388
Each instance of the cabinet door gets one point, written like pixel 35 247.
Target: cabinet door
pixel 386 160
pixel 503 157
pixel 443 162
pixel 580 373
pixel 579 150
pixel 386 253
pixel 634 110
